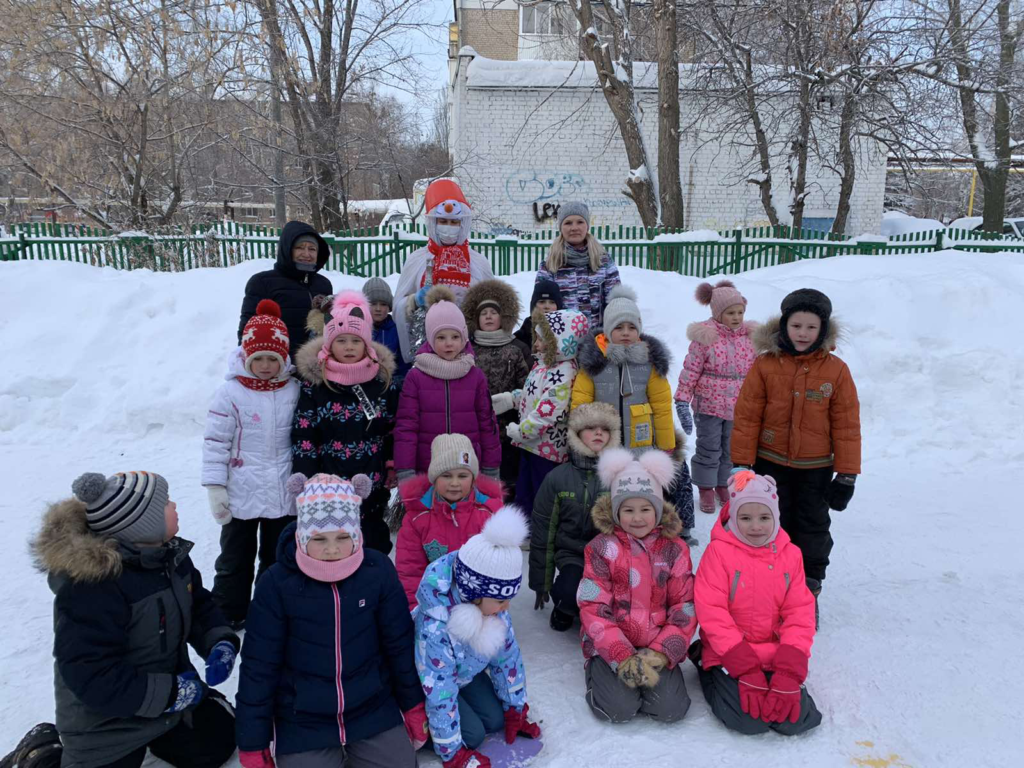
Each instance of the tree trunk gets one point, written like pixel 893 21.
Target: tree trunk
pixel 670 188
pixel 798 156
pixel 847 162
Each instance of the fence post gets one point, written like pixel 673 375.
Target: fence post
pixel 939 238
pixel 737 250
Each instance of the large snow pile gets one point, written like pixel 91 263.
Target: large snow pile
pixel 898 223
pixel 922 613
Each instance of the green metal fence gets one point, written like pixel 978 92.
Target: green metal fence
pixel 380 252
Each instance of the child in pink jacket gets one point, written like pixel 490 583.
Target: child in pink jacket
pixel 443 508
pixel 721 353
pixel 756 616
pixel 636 595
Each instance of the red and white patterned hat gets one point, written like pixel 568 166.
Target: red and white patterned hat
pixel 265 334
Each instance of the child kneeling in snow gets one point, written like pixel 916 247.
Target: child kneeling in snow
pixel 756 616
pixel 443 509
pixel 127 600
pixel 636 596
pixel 247 457
pixel 466 651
pixel 327 669
pixel 562 526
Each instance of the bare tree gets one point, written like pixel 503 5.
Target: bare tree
pixel 670 189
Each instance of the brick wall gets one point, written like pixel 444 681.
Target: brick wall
pixel 519 149
pixel 493 33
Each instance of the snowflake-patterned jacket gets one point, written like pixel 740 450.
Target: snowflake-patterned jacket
pixel 446 665
pixel 636 593
pixel 544 402
pixel 583 289
pixel 432 527
pixel 332 431
pixel 716 364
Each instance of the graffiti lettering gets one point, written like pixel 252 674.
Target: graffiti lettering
pixel 541 186
pixel 547 211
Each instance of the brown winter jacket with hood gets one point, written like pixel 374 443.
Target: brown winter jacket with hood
pixel 507 365
pixel 797 411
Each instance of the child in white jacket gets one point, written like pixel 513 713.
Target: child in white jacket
pixel 247 458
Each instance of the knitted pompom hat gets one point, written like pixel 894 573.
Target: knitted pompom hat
pixel 448 452
pixel 621 308
pixel 645 477
pixel 490 564
pixel 325 503
pixel 127 506
pixel 721 296
pixel 349 313
pixel 265 334
pixel 748 488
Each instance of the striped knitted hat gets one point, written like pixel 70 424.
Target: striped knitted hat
pixel 127 506
pixel 328 503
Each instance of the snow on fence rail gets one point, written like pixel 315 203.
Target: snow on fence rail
pixel 382 251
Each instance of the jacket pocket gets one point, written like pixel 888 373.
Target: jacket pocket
pixel 641 425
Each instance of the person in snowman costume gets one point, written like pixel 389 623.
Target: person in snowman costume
pixel 446 260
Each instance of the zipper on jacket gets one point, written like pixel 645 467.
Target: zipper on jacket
pixel 337 661
pixel 735 584
pixel 163 623
pixel 786 576
pixel 447 408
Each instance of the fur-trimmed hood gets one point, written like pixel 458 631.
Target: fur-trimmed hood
pixel 766 337
pixel 308 364
pixel 593 415
pixel 604 522
pixel 65 547
pixel 708 332
pixel 495 290
pixel 593 359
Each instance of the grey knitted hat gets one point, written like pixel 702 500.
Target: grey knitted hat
pixel 574 208
pixel 376 289
pixel 127 506
pixel 621 308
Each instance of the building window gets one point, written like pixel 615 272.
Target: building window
pixel 545 19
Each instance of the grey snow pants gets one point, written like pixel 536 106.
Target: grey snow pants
pixel 613 701
pixel 711 465
pixel 390 749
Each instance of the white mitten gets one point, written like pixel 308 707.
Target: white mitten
pixel 512 430
pixel 503 401
pixel 219 506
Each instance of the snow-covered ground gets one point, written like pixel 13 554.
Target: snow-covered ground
pixel 917 661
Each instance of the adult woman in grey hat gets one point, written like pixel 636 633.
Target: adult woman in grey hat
pixel 579 264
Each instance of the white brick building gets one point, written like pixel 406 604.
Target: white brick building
pixel 528 135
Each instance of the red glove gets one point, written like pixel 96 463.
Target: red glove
pixel 741 662
pixel 261 759
pixel 783 699
pixel 467 758
pixel 416 725
pixel 516 724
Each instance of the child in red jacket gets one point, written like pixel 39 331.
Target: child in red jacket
pixel 636 595
pixel 756 616
pixel 444 508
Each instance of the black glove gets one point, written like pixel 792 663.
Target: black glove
pixel 541 601
pixel 840 491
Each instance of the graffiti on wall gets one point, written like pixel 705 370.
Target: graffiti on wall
pixel 542 186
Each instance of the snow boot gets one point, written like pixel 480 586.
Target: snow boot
pixel 815 586
pixel 689 538
pixel 39 748
pixel 707 500
pixel 722 492
pixel 561 621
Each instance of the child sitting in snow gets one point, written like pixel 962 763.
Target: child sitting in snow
pixel 491 308
pixel 443 509
pixel 466 652
pixel 797 419
pixel 543 403
pixel 444 393
pixel 127 600
pixel 385 331
pixel 346 411
pixel 247 457
pixel 327 670
pixel 756 616
pixel 636 596
pixel 562 526
pixel 719 357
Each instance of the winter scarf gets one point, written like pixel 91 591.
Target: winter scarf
pixel 434 365
pixel 451 264
pixel 348 374
pixel 577 256
pixel 262 385
pixel 498 338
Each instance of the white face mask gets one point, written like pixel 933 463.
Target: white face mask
pixel 448 234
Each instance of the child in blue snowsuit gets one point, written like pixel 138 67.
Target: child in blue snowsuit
pixel 467 657
pixel 378 294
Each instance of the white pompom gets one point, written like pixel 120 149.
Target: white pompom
pixel 659 466
pixel 613 462
pixel 506 528
pixel 485 634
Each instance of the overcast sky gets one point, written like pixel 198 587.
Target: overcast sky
pixel 432 46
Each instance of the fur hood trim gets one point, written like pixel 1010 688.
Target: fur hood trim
pixel 706 331
pixel 308 364
pixel 766 337
pixel 601 514
pixel 495 290
pixel 593 415
pixel 66 546
pixel 593 360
